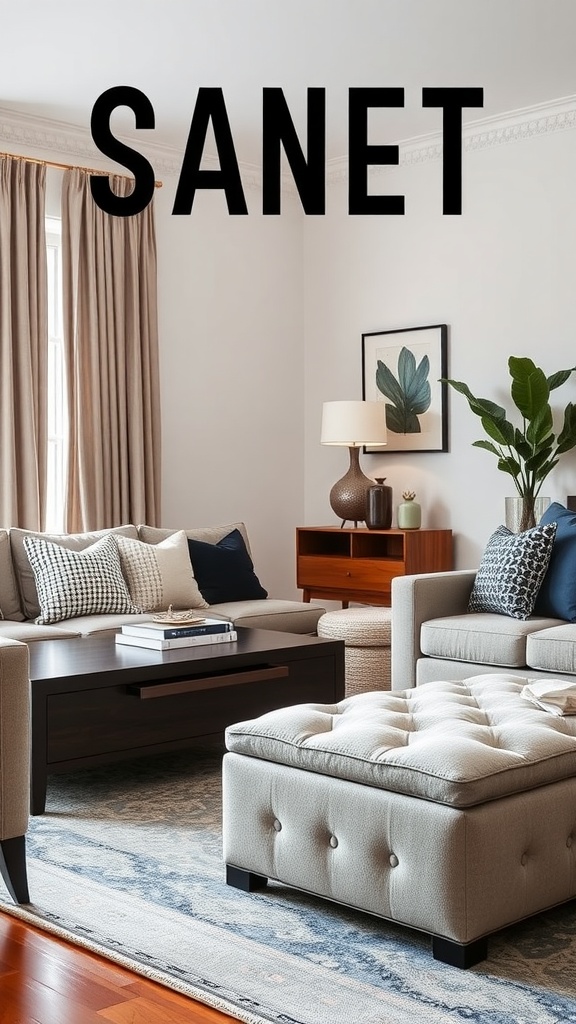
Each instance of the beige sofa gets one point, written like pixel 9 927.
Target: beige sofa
pixel 435 638
pixel 20 607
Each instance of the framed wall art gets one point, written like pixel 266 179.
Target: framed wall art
pixel 402 369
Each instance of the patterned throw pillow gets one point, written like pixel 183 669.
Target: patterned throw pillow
pixel 511 571
pixel 73 583
pixel 160 575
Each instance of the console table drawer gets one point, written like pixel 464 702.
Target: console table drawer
pixel 348 573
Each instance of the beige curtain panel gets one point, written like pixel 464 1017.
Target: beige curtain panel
pixel 23 344
pixel 111 352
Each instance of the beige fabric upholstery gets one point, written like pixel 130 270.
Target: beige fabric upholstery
pixel 454 743
pixel 460 873
pixel 366 635
pixel 208 534
pixel 434 637
pixel 270 613
pixel 14 739
pixel 481 637
pixel 9 596
pixel 73 541
pixel 553 650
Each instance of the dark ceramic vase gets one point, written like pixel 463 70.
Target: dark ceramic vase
pixel 379 506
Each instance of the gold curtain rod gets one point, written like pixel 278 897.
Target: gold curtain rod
pixel 68 167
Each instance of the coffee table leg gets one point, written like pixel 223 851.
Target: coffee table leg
pixel 38 784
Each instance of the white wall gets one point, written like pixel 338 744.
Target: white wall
pixel 231 338
pixel 501 276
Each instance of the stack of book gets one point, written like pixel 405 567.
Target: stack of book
pixel 162 636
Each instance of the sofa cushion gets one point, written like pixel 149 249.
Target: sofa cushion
pixel 26 632
pixel 271 613
pixel 511 571
pixel 72 541
pixel 224 571
pixel 72 583
pixel 10 607
pixel 208 534
pixel 482 638
pixel 456 743
pixel 553 650
pixel 160 575
pixel 557 595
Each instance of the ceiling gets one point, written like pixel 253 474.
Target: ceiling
pixel 57 57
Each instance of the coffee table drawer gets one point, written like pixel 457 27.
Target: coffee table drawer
pixel 131 717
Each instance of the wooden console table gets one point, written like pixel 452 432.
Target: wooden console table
pixel 358 564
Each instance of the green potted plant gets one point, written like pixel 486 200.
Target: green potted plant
pixel 529 452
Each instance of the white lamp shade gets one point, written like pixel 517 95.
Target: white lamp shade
pixel 353 423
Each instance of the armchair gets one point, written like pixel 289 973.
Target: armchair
pixel 14 766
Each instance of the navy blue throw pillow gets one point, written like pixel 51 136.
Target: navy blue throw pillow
pixel 557 595
pixel 225 571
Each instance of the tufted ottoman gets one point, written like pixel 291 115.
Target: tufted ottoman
pixel 450 808
pixel 366 635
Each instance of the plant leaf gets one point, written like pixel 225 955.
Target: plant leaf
pixel 558 378
pixel 529 388
pixel 386 383
pixel 567 436
pixel 399 421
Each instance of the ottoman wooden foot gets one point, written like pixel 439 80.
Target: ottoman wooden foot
pixel 459 954
pixel 248 881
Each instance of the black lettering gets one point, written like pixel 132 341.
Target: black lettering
pixel 141 195
pixel 361 155
pixel 278 128
pixel 452 102
pixel 210 106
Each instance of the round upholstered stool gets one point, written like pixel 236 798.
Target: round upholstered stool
pixel 366 636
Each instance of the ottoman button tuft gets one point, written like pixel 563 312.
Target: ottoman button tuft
pixel 524 859
pixel 393 860
pixel 333 842
pixel 277 825
pixel 569 841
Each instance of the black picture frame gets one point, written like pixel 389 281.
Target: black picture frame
pixel 408 363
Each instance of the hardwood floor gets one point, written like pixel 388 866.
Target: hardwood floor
pixel 44 980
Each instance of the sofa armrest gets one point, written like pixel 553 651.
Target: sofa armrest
pixel 415 599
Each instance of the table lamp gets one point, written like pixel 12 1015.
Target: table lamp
pixel 351 425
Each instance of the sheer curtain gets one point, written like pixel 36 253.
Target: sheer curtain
pixel 111 352
pixel 23 344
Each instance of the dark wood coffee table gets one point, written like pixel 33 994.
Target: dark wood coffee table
pixel 95 702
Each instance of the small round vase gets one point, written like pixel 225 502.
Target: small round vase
pixel 379 506
pixel 409 514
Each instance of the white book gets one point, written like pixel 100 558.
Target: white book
pixel 158 644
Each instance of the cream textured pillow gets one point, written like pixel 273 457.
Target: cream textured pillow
pixel 159 575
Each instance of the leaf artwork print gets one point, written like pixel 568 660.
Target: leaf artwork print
pixel 408 395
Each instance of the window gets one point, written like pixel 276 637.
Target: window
pixel 57 407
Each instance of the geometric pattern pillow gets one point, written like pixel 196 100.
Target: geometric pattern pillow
pixel 159 575
pixel 73 583
pixel 511 571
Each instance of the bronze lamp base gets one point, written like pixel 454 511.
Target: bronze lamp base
pixel 349 495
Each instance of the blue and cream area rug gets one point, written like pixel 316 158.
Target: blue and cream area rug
pixel 127 861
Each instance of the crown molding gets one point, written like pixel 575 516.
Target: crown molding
pixel 500 130
pixel 38 136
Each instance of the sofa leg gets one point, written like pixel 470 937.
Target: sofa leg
pixel 13 868
pixel 459 954
pixel 248 881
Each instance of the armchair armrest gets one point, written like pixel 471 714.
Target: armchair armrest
pixel 415 599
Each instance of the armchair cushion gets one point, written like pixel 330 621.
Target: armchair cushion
pixel 482 638
pixel 511 571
